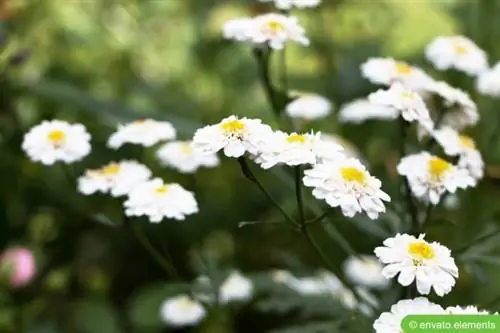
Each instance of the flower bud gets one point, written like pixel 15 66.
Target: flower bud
pixel 17 266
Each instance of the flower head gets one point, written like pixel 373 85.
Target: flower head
pixel 362 109
pixel 431 176
pixel 346 183
pixel 415 259
pixel 289 4
pixel 181 156
pixel 309 107
pixel 457 52
pixel 236 288
pixel 19 266
pixel 147 133
pixel 238 29
pixel 56 141
pixel 488 82
pixel 157 200
pixel 390 322
pixel 365 271
pixel 182 311
pixel 331 143
pixel 117 178
pixel 465 310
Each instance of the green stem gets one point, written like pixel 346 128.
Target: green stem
pixel 321 217
pixel 427 217
pixel 298 194
pixel 263 57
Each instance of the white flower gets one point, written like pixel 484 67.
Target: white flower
pixel 116 178
pixel 147 133
pixel 488 82
pixel 181 156
pixel 347 183
pixel 465 310
pixel 182 311
pixel 331 143
pixel 461 110
pixel 309 107
pixel 277 30
pixel 414 259
pixel 238 29
pixel 366 271
pixel 281 276
pixel 56 141
pixel 410 105
pixel 458 52
pixel 158 200
pixel 289 4
pixel 236 288
pixel 296 149
pixel 390 322
pixel 362 109
pixel 387 71
pixel 430 176
pixel 233 135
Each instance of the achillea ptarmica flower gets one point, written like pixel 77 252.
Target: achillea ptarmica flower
pixel 147 133
pixel 309 107
pixel 387 71
pixel 238 29
pixel 390 322
pixel 457 52
pixel 289 4
pixel 430 265
pixel 181 156
pixel 360 110
pixel 331 143
pixel 366 271
pixel 408 103
pixel 182 311
pixel 431 176
pixel 117 178
pixel 346 183
pixel 236 287
pixel 488 82
pixel 157 200
pixel 465 310
pixel 296 149
pixel 56 141
pixel 235 136
pixel 19 266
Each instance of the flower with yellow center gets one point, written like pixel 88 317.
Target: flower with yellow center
pixel 276 30
pixel 403 68
pixel 296 138
pixel 430 265
pixel 438 167
pixel 181 311
pixel 143 132
pixel 181 156
pixel 111 169
pixel 56 137
pixel 233 127
pixel 467 142
pixel 274 27
pixel 351 174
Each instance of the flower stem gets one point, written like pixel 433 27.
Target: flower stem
pixel 403 125
pixel 263 58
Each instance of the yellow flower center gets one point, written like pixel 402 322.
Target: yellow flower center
pixel 186 304
pixel 56 137
pixel 296 138
pixel 407 94
pixel 351 174
pixel 467 142
pixel 420 250
pixel 111 169
pixel 403 68
pixel 460 48
pixel 275 26
pixel 162 189
pixel 233 127
pixel 186 148
pixel 139 121
pixel 438 166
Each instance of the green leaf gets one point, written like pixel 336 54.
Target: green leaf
pixel 95 316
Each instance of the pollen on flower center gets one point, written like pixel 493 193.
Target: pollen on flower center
pixel 351 174
pixel 296 138
pixel 403 68
pixel 56 136
pixel 438 166
pixel 111 169
pixel 186 148
pixel 467 142
pixel 162 189
pixel 420 250
pixel 460 49
pixel 275 26
pixel 233 126
pixel 185 304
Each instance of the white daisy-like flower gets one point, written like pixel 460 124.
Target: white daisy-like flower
pixel 331 143
pixel 181 156
pixel 238 29
pixel 465 310
pixel 117 178
pixel 146 132
pixel 346 183
pixel 309 107
pixel 408 103
pixel 182 311
pixel 488 82
pixel 56 141
pixel 457 52
pixel 281 276
pixel 233 135
pixel 236 287
pixel 360 110
pixel 431 176
pixel 366 271
pixel 387 71
pixel 276 30
pixel 157 200
pixel 296 149
pixel 390 322
pixel 461 110
pixel 414 259
pixel 289 4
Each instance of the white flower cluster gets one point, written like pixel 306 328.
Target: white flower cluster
pixel 289 4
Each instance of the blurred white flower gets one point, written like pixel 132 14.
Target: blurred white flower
pixel 465 310
pixel 147 133
pixel 238 29
pixel 461 110
pixel 157 200
pixel 181 156
pixel 451 201
pixel 309 107
pixel 362 109
pixel 331 143
pixel 281 276
pixel 56 141
pixel 277 30
pixel 236 287
pixel 414 259
pixel 488 82
pixel 116 178
pixel 289 4
pixel 365 303
pixel 296 149
pixel 430 176
pixel 182 311
pixel 410 105
pixel 366 271
pixel 233 135
pixel 387 71
pixel 347 183
pixel 390 322
pixel 457 52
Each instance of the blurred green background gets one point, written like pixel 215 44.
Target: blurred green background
pixel 106 62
